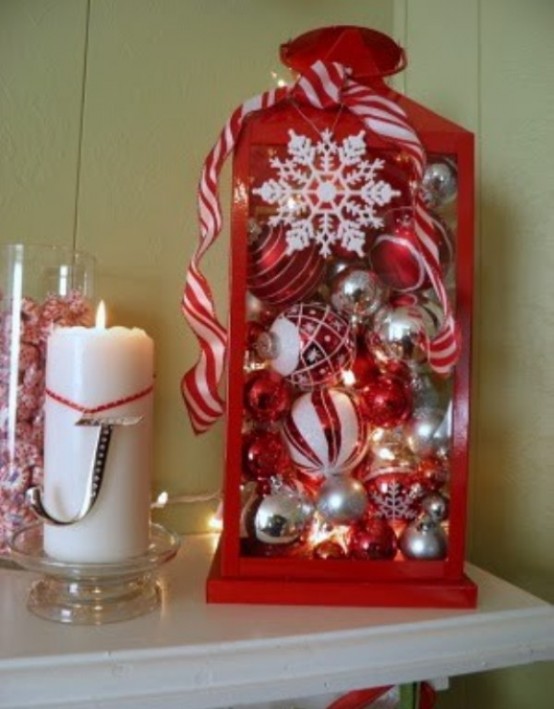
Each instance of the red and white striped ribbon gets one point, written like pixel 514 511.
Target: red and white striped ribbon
pixel 323 86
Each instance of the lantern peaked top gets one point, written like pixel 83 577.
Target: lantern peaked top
pixel 369 54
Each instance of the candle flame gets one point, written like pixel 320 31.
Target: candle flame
pixel 101 315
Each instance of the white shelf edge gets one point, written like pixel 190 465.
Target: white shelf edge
pixel 198 670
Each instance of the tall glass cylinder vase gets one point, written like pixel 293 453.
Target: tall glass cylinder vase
pixel 41 287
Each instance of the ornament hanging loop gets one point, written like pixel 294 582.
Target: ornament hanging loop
pixel 96 475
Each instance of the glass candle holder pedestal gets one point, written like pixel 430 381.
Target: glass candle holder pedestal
pixel 93 593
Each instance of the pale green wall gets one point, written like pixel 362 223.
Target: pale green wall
pixel 488 64
pixel 107 109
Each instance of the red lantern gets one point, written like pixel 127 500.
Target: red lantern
pixel 317 174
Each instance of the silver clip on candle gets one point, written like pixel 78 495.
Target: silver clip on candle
pixel 96 476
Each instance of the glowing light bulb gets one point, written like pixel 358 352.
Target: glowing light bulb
pixel 215 523
pixel 163 497
pixel 278 80
pixel 348 377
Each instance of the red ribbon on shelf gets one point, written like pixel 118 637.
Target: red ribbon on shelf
pixel 324 85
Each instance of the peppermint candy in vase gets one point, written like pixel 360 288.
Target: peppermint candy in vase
pixel 309 345
pixel 277 276
pixel 325 432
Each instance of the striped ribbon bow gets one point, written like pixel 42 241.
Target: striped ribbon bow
pixel 324 85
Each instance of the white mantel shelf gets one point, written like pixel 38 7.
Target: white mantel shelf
pixel 193 655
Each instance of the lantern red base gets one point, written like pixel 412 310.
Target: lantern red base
pixel 443 593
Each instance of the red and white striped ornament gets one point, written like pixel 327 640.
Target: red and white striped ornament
pixel 277 277
pixel 309 345
pixel 325 432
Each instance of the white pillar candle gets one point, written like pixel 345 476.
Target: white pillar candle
pixel 92 368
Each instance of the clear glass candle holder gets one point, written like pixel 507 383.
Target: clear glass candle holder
pixel 41 287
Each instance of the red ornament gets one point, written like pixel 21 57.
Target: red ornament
pixel 329 549
pixel 263 454
pixel 253 331
pixel 433 473
pixel 387 402
pixel 397 368
pixel 266 396
pixel 396 255
pixel 365 369
pixel 276 276
pixel 310 345
pixel 373 538
pixel 395 495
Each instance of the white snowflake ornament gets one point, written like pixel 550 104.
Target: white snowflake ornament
pixel 326 192
pixel 396 496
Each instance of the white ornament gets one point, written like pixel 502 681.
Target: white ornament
pixel 326 192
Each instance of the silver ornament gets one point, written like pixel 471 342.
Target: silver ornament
pixel 423 539
pixel 357 293
pixel 424 391
pixel 432 313
pixel 267 346
pixel 397 333
pixel 426 433
pixel 443 434
pixel 336 266
pixel 341 500
pixel 248 497
pixel 435 506
pixel 440 183
pixel 254 306
pixel 282 516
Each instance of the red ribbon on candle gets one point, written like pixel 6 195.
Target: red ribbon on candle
pixel 323 85
pixel 103 407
